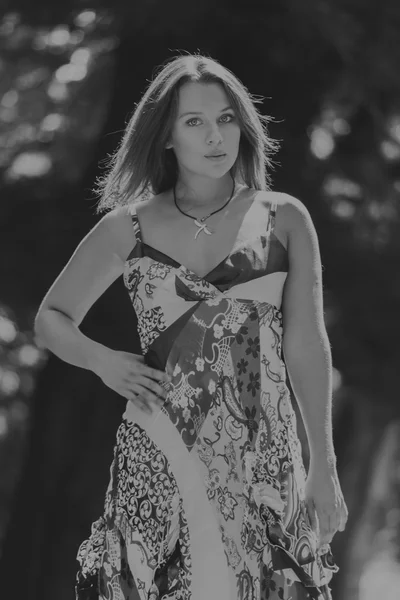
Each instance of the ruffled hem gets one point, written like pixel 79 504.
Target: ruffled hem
pixel 101 546
pixel 314 573
pixel 285 563
pixel 89 558
pixel 98 548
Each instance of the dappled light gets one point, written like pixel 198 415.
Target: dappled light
pixel 8 330
pixel 59 36
pixel 28 355
pixel 85 18
pixel 70 72
pixel 380 579
pixel 338 186
pixel 322 143
pixel 390 150
pixel 3 424
pixel 9 382
pixel 29 164
pixel 37 96
pixel 343 209
pixel 52 122
pixel 58 91
pixel 81 56
pixel 10 99
pixel 340 126
pixel 9 24
pixel 329 125
pixel 393 127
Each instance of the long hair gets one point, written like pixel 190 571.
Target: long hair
pixel 142 166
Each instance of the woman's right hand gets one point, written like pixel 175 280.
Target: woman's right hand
pixel 128 375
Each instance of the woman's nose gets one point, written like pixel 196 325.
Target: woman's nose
pixel 214 135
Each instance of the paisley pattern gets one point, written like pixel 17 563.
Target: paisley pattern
pixel 206 494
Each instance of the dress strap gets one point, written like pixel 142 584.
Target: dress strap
pixel 271 216
pixel 135 223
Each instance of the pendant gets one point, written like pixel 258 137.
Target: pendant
pixel 202 227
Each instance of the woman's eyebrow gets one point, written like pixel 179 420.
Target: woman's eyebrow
pixel 193 112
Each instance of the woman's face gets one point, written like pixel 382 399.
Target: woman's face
pixel 210 127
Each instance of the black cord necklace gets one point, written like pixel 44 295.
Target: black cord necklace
pixel 200 222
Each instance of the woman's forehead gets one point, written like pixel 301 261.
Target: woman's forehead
pixel 195 96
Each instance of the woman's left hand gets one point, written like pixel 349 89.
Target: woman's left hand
pixel 325 503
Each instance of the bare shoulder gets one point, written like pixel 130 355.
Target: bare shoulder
pixel 303 243
pixel 288 212
pixel 122 235
pixel 292 220
pixel 293 210
pixel 292 215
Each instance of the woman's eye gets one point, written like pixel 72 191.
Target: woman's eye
pixel 191 120
pixel 231 118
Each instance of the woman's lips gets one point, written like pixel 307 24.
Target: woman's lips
pixel 217 158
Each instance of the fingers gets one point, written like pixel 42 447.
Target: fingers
pixel 152 388
pixel 150 373
pixel 328 527
pixel 331 521
pixel 140 402
pixel 147 385
pixel 146 390
pixel 147 398
pixel 338 518
pixel 138 357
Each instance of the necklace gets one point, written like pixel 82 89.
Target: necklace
pixel 200 222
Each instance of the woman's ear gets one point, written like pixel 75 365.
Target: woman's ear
pixel 168 145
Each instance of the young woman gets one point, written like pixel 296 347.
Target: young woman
pixel 208 497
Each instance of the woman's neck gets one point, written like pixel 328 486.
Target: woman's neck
pixel 203 193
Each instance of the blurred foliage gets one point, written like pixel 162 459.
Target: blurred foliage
pixel 328 70
pixel 54 97
pixel 19 361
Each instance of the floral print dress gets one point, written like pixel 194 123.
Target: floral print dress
pixel 206 494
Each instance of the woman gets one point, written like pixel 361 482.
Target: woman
pixel 208 497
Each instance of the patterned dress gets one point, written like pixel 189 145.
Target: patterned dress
pixel 206 494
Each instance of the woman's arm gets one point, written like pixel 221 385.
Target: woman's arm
pixel 308 359
pixel 96 263
pixel 306 346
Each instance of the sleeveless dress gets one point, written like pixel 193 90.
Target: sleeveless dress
pixel 206 494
